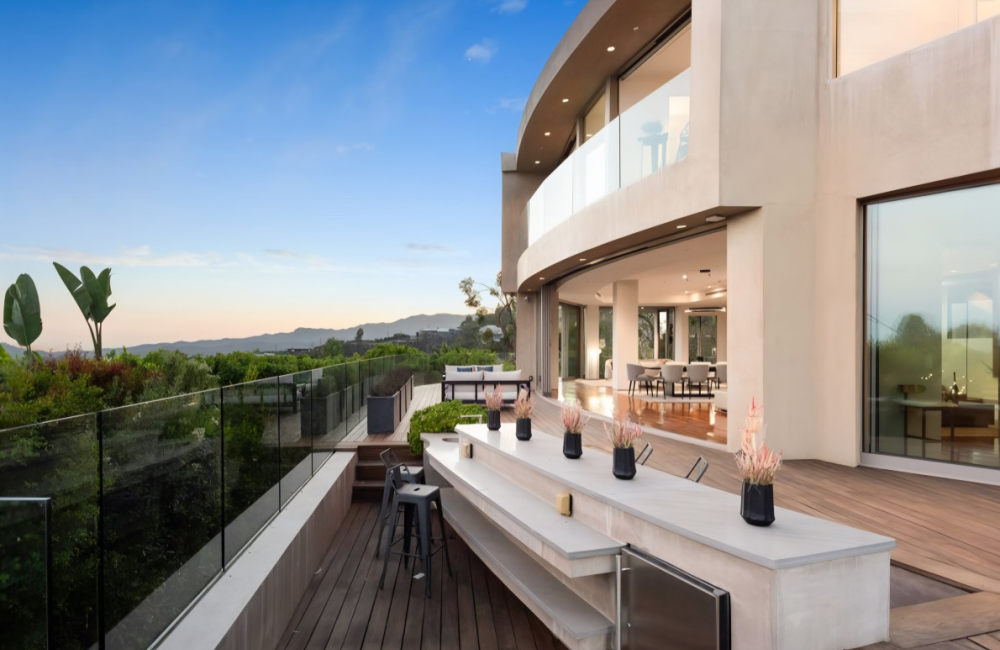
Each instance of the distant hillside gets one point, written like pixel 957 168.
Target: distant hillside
pixel 305 337
pixel 13 350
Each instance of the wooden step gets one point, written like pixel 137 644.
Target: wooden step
pixel 372 451
pixel 367 490
pixel 570 618
pixel 370 470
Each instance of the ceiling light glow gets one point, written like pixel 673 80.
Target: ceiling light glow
pixel 611 48
pixel 681 227
pixel 565 100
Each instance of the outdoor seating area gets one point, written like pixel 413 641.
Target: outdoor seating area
pixel 471 383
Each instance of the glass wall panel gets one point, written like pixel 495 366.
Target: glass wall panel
pixel 666 333
pixel 59 460
pixel 702 338
pixel 647 333
pixel 161 513
pixel 932 323
pixel 295 448
pixel 252 460
pixel 593 121
pixel 569 341
pixel 24 573
pixel 869 31
pixel 667 62
pixel 606 327
pixel 654 132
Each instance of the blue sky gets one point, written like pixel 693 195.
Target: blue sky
pixel 249 167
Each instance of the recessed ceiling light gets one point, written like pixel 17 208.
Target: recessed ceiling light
pixel 565 100
pixel 681 227
pixel 540 278
pixel 635 29
pixel 715 218
pixel 547 134
pixel 583 259
pixel 590 135
pixel 611 48
pixel 538 162
pixel 685 277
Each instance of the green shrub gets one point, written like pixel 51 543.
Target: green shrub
pixel 440 418
pixel 449 356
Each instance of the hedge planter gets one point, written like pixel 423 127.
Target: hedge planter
pixel 523 429
pixel 757 504
pixel 624 463
pixel 385 413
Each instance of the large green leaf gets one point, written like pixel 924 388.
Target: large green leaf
pixel 22 313
pixel 76 288
pixel 99 308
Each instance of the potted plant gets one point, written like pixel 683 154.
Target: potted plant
pixel 494 402
pixel 522 409
pixel 623 433
pixel 573 422
pixel 757 465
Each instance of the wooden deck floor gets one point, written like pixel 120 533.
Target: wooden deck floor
pixel 344 608
pixel 947 529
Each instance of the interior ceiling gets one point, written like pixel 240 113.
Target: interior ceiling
pixel 660 273
pixel 578 68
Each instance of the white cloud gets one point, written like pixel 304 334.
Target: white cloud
pixel 482 51
pixel 138 256
pixel 509 7
pixel 429 248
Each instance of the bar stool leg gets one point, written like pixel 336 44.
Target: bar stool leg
pixel 383 514
pixel 444 537
pixel 425 543
pixel 388 543
pixel 407 530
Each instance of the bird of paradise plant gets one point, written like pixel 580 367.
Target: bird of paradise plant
pixel 757 463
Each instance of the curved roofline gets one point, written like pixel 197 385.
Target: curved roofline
pixel 578 67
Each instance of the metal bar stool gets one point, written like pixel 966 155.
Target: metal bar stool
pixel 413 474
pixel 412 496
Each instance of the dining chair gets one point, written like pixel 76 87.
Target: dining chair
pixel 697 374
pixel 721 374
pixel 636 375
pixel 672 374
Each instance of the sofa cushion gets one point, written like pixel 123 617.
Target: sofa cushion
pixel 509 391
pixel 448 369
pixel 467 392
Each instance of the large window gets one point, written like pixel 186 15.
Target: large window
pixel 593 121
pixel 702 338
pixel 933 313
pixel 869 31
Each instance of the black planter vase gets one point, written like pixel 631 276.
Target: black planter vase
pixel 757 504
pixel 524 428
pixel 572 445
pixel 493 420
pixel 624 463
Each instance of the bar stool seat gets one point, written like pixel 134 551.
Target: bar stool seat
pixel 414 499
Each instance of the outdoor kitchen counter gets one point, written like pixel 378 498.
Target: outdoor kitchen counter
pixel 802 582
pixel 700 513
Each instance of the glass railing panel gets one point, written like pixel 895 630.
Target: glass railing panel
pixel 252 458
pixel 59 460
pixel 24 573
pixel 161 512
pixel 536 215
pixel 295 449
pixel 595 168
pixel 559 194
pixel 654 132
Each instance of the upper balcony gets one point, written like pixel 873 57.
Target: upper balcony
pixel 649 136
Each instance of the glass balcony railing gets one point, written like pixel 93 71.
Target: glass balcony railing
pixel 112 523
pixel 644 139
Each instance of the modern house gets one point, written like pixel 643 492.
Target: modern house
pixel 808 190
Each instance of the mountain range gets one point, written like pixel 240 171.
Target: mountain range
pixel 303 337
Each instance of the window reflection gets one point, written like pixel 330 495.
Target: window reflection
pixel 869 31
pixel 933 282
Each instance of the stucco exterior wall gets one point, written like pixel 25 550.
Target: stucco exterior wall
pixel 791 153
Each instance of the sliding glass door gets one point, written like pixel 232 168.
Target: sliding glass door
pixel 702 338
pixel 933 314
pixel 569 341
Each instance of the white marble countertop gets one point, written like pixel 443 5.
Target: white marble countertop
pixel 698 512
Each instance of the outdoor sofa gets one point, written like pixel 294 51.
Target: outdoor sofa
pixel 470 383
